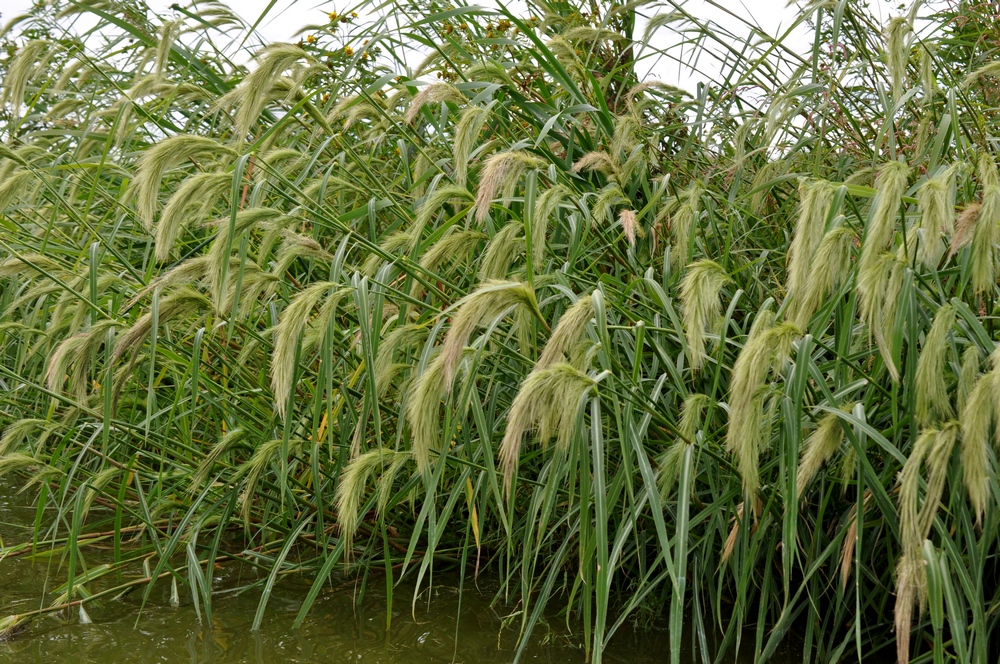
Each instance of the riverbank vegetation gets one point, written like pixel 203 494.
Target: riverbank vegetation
pixel 444 287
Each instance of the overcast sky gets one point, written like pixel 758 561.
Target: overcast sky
pixel 289 16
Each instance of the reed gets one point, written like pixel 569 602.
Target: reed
pixel 714 355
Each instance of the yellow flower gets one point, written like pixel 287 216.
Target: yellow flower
pixel 311 39
pixel 333 16
pixel 354 14
pixel 364 56
pixel 348 51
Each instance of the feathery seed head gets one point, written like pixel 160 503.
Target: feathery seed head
pixel 897 53
pixel 286 339
pixel 353 483
pixel 599 161
pixel 31 59
pixel 430 207
pixel 19 431
pixel 985 222
pixel 501 173
pixel 227 443
pixel 819 448
pixel 180 303
pixel 490 300
pixel 260 85
pixel 423 409
pixel 454 247
pixel 927 78
pixel 30 264
pixel 815 198
pixel 692 412
pixel 932 403
pixel 976 417
pixel 567 333
pixel 987 171
pixel 198 195
pixel 989 69
pixel 160 158
pixel 76 351
pixel 548 401
pixel 878 288
pixel 401 338
pixel 767 347
pixel 965 227
pixel 166 36
pixel 968 375
pixel 933 450
pixel 628 129
pixel 891 185
pixel 466 131
pixel 630 225
pixel 830 265
pixel 700 290
pixel 501 251
pixel 545 206
pixel 610 196
pixel 434 93
pixel 936 198
pixel 682 221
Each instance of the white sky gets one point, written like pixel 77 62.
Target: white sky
pixel 289 16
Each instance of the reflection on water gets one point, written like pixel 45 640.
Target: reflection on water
pixel 445 626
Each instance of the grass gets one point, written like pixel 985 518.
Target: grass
pixel 315 311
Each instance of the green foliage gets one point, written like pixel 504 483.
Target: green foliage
pixel 312 311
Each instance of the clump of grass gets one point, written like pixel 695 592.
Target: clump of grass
pixel 233 295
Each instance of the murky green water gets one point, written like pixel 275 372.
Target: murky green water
pixel 338 629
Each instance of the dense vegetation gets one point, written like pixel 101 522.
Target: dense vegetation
pixel 727 355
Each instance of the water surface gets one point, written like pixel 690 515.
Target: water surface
pixel 447 625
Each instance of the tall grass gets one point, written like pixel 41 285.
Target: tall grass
pixel 315 311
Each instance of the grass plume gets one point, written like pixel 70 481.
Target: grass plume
pixel 700 291
pixel 547 402
pixel 488 302
pixel 814 205
pixel 932 402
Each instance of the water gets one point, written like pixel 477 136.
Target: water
pixel 338 629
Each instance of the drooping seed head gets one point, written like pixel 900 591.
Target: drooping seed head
pixel 700 297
